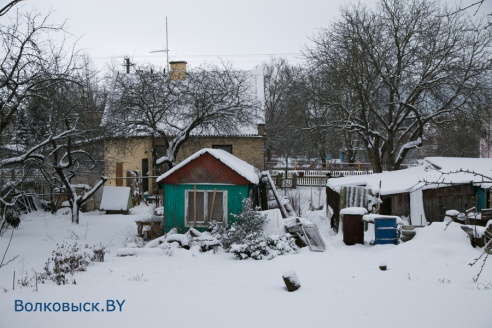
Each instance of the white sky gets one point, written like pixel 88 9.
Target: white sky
pixel 246 33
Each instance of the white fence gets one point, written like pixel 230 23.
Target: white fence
pixel 309 177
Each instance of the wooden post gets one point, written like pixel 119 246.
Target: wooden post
pixel 194 205
pixel 277 197
pixel 213 203
pixel 263 193
pixel 279 179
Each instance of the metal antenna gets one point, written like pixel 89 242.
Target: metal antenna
pixel 165 50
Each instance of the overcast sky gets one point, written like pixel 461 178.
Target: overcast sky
pixel 246 33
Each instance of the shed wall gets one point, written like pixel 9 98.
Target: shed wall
pixel 174 202
pixel 438 201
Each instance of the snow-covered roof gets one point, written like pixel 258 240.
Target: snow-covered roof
pixel 353 211
pixel 243 168
pixel 240 130
pixel 433 172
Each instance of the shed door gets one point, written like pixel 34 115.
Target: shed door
pixel 481 198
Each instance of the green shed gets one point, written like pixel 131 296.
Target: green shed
pixel 210 185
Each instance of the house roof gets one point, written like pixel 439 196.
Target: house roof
pixel 244 169
pixel 431 173
pixel 241 130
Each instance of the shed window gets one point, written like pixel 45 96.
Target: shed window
pixel 203 206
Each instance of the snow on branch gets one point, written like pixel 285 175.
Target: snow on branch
pixel 409 145
pixel 31 153
pixel 461 176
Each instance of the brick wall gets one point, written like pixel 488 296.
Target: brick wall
pixel 249 149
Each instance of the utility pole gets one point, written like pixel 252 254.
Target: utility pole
pixel 127 64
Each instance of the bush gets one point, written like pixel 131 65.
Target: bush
pixel 253 246
pixel 260 246
pixel 68 259
pixel 246 238
pixel 248 222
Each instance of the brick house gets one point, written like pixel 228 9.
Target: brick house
pixel 136 159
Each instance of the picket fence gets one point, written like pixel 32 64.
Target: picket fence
pixel 309 177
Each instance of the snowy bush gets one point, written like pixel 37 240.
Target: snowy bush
pixel 248 222
pixel 259 246
pixel 281 245
pixel 217 228
pixel 246 238
pixel 68 259
pixel 253 246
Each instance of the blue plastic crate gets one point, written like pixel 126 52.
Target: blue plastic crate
pixel 385 231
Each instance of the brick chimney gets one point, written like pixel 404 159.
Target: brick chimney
pixel 261 129
pixel 177 70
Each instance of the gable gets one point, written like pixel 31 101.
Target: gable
pixel 205 169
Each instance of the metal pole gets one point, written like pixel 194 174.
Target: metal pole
pixel 167 48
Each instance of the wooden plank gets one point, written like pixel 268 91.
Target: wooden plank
pixel 194 205
pixel 275 194
pixel 119 173
pixel 213 204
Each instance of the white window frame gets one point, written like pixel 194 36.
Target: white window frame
pixel 207 193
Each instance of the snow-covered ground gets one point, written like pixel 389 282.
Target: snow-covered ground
pixel 428 282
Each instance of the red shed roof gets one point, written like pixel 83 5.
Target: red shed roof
pixel 212 166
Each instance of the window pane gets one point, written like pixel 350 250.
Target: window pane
pixel 200 207
pixel 216 205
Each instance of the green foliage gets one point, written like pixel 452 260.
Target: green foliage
pixel 246 238
pixel 260 246
pixel 248 222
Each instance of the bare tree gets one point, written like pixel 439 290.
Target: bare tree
pixel 285 108
pixel 29 63
pixel 296 119
pixel 138 105
pixel 148 103
pixel 394 71
pixel 41 85
pixel 71 110
pixel 8 6
pixel 321 140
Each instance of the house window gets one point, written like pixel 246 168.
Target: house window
pixel 227 148
pixel 203 206
pixel 145 174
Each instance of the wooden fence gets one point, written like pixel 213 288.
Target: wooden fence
pixel 308 177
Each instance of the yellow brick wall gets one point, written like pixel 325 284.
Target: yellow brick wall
pixel 249 149
pixel 135 151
